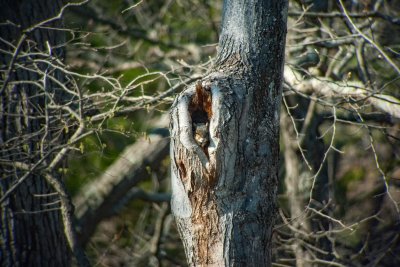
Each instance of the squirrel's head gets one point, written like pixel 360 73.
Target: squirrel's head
pixel 201 134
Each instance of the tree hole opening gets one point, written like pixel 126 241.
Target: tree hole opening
pixel 200 111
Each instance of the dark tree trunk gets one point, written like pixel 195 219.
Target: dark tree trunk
pixel 224 189
pixel 31 229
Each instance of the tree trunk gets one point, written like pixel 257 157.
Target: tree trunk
pixel 32 231
pixel 297 191
pixel 224 179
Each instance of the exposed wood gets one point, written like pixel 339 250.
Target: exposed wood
pixel 224 198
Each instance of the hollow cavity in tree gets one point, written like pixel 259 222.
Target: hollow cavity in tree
pixel 200 110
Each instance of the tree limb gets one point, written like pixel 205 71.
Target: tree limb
pixel 104 193
pixel 327 88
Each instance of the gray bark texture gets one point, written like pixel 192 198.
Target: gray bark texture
pixel 31 228
pixel 224 189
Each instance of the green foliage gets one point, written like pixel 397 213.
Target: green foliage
pixel 98 151
pixel 344 184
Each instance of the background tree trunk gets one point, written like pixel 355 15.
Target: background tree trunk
pixel 224 192
pixel 32 231
pixel 298 183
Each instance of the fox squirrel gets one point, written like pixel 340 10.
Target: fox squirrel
pixel 200 134
pixel 200 111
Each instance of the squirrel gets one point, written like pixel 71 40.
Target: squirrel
pixel 200 134
pixel 200 111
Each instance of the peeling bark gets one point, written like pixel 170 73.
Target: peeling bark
pixel 224 194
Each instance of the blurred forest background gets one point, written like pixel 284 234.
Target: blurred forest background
pixel 340 174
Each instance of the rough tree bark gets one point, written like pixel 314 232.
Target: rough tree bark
pixel 224 189
pixel 31 227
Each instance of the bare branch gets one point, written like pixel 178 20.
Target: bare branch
pixel 104 193
pixel 347 90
